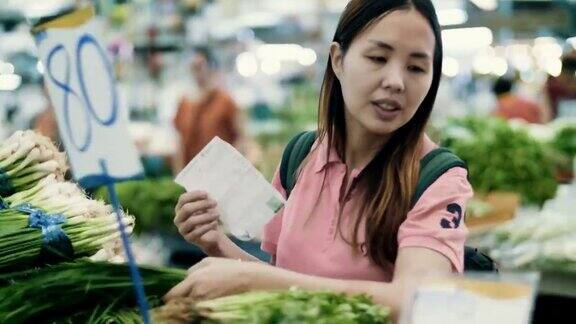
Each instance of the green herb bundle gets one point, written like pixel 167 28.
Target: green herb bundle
pixel 500 158
pixel 293 306
pixel 151 201
pixel 88 224
pixel 27 157
pixel 22 248
pixel 85 291
pixel 565 141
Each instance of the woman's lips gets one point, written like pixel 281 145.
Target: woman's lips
pixel 385 111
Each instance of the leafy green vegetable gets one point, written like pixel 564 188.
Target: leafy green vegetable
pixel 79 290
pixel 293 306
pixel 151 201
pixel 500 158
pixel 565 141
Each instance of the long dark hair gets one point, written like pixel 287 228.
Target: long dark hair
pixel 389 180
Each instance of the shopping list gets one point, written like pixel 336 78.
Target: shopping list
pixel 246 201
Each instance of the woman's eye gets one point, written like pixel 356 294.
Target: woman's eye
pixel 416 69
pixel 378 59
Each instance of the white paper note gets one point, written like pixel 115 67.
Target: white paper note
pixel 246 201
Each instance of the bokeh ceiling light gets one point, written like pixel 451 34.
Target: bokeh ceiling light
pixel 554 67
pixel 467 39
pixel 448 17
pixel 9 82
pixel 450 67
pixel 270 66
pixel 499 66
pixel 483 64
pixel 307 57
pixel 40 67
pixel 6 68
pixel 247 65
pixel 488 5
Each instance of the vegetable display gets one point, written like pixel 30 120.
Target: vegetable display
pixel 565 141
pixel 78 291
pixel 151 201
pixel 500 158
pixel 293 306
pixel 27 157
pixel 44 219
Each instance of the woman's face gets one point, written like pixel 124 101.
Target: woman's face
pixel 386 72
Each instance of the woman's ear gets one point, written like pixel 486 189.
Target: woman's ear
pixel 336 58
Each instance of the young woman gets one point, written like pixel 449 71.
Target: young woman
pixel 349 224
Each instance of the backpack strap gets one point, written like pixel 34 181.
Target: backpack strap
pixel 432 167
pixel 294 153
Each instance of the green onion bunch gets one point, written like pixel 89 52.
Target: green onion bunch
pixel 293 306
pixel 82 291
pixel 27 157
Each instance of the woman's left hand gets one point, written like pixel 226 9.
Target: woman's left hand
pixel 217 277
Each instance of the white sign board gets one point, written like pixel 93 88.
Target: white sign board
pixel 82 89
pixel 474 301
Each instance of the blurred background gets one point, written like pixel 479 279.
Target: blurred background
pixel 506 104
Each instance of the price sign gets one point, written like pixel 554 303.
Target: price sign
pixel 83 91
pixel 82 88
pixel 487 298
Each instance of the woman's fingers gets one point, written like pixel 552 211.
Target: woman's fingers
pixel 197 221
pixel 197 233
pixel 191 196
pixel 189 209
pixel 182 289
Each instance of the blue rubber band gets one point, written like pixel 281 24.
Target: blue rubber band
pixel 53 236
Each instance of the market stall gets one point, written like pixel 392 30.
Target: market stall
pixel 108 114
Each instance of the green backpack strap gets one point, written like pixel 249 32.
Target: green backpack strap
pixel 294 153
pixel 432 167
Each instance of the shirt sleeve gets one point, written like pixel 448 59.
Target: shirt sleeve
pixel 437 220
pixel 272 230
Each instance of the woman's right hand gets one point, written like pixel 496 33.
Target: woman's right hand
pixel 197 221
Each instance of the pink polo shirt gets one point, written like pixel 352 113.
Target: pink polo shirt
pixel 304 238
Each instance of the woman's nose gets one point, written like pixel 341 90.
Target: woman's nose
pixel 392 79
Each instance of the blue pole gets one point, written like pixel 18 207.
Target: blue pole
pixel 134 273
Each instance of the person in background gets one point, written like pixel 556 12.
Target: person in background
pixel 561 90
pixel 513 106
pixel 45 122
pixel 214 113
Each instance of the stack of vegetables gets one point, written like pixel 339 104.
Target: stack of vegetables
pixel 151 201
pixel 564 142
pixel 25 159
pixel 293 306
pixel 501 158
pixel 42 218
pixel 542 240
pixel 80 292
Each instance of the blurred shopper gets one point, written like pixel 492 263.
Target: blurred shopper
pixel 45 122
pixel 354 222
pixel 513 106
pixel 561 91
pixel 213 114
